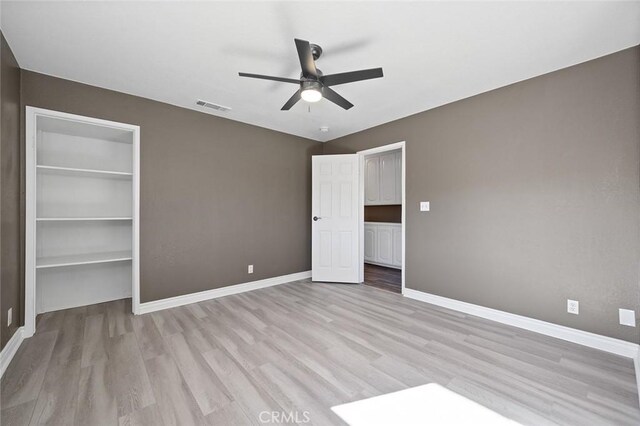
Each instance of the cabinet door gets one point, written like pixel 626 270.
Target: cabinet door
pixel 385 245
pixel 372 180
pixel 370 243
pixel 399 177
pixel 397 246
pixel 388 178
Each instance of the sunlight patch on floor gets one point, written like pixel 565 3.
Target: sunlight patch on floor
pixel 430 404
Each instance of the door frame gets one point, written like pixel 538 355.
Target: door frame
pixel 31 117
pixel 391 147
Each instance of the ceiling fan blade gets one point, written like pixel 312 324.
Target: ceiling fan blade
pixel 306 58
pixel 332 96
pixel 268 77
pixel 291 102
pixel 350 77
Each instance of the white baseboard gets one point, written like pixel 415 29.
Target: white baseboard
pixel 592 340
pixel 383 264
pixel 10 349
pixel 187 299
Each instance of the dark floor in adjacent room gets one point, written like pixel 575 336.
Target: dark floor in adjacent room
pixel 389 279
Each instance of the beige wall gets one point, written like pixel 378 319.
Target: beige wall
pixel 216 194
pixel 11 253
pixel 534 192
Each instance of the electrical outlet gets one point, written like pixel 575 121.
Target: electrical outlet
pixel 9 316
pixel 573 306
pixel 250 269
pixel 627 317
pixel 424 206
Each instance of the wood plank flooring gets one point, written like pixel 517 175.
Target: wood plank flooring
pixel 389 279
pixel 296 348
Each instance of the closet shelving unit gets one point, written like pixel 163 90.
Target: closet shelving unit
pixel 82 212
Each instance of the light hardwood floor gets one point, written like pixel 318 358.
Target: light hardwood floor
pixel 294 348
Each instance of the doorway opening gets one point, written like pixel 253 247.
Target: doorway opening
pixel 382 217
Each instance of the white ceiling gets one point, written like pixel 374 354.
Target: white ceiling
pixel 432 53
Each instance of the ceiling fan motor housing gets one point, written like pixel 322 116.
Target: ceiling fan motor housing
pixel 311 85
pixel 310 77
pixel 316 51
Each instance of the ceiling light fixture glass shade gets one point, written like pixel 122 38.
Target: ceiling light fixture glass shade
pixel 311 95
pixel 311 91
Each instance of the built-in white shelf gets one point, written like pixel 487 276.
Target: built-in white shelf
pixel 81 212
pixel 72 171
pixel 83 259
pixel 66 219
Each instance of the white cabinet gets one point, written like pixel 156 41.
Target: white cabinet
pixel 398 178
pixel 388 178
pixel 383 181
pixel 397 245
pixel 372 180
pixel 369 242
pixel 383 244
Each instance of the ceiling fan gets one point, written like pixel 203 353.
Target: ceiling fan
pixel 313 84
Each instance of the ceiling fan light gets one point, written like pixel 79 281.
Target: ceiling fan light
pixel 311 91
pixel 311 95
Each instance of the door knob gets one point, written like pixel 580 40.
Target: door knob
pixel 316 218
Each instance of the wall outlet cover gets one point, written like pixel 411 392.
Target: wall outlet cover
pixel 627 317
pixel 424 206
pixel 9 316
pixel 573 306
pixel 250 269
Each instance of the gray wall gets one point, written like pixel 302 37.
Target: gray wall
pixel 11 253
pixel 534 192
pixel 216 195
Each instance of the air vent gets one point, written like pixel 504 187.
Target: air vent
pixel 213 106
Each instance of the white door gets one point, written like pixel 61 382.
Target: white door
pixel 334 209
